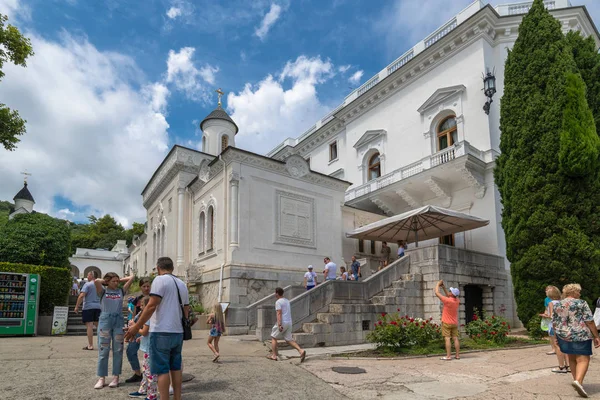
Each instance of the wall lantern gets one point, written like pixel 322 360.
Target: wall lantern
pixel 489 88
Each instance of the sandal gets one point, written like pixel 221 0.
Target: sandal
pixel 561 370
pixel 302 356
pixel 216 359
pixel 87 348
pixel 271 358
pixel 100 384
pixel 446 358
pixel 457 357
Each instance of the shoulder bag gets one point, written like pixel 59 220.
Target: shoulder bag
pixel 185 323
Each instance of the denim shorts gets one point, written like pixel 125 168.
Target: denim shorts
pixel 578 348
pixel 165 352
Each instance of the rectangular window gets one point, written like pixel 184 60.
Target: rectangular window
pixel 333 155
pixel 170 204
pixel 372 247
pixel 151 222
pixel 448 240
pixel 361 246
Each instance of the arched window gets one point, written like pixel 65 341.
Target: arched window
pixel 201 230
pixel 374 167
pixel 224 142
pixel 210 228
pixel 204 149
pixel 446 133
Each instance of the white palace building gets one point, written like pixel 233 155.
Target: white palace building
pixel 238 224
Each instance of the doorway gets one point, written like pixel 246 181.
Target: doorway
pixel 473 302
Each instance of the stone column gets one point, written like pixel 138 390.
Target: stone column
pixel 234 180
pixel 180 194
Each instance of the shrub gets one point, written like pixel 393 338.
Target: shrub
pixel 533 328
pixel 55 283
pixel 35 239
pixel 394 332
pixel 488 329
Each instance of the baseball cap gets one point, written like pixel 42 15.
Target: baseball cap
pixel 455 291
pixel 310 267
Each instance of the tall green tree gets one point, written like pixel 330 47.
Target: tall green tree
pixel 35 239
pixel 15 48
pixel 547 170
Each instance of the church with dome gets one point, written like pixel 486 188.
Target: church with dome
pixel 23 202
pixel 226 215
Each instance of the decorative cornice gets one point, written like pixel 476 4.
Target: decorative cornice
pixel 440 191
pixel 269 164
pixel 408 198
pixel 440 95
pixel 383 206
pixel 368 137
pixel 471 177
pixel 179 159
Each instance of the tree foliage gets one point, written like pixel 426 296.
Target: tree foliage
pixel 35 239
pixel 103 233
pixel 547 171
pixel 15 48
pixel 587 60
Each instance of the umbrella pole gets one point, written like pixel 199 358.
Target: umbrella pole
pixel 417 237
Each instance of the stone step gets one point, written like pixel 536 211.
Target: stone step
pixel 316 327
pixel 354 308
pixel 394 292
pixel 383 300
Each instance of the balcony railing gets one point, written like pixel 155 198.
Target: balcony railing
pixel 459 149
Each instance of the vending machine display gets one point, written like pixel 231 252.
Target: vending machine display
pixel 19 298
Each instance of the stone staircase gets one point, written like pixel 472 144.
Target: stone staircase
pixel 74 325
pixel 349 322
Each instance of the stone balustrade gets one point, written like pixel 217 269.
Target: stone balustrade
pixel 457 150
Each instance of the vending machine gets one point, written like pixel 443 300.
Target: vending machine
pixel 19 303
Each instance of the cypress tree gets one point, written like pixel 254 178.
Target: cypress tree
pixel 587 59
pixel 542 179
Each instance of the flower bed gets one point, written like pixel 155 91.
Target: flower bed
pixel 488 329
pixel 394 332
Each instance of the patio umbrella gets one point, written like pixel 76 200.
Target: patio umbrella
pixel 423 223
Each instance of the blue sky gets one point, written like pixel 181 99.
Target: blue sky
pixel 115 83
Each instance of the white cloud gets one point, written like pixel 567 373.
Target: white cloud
pixel 355 78
pixel 65 213
pixel 14 10
pixel 94 135
pixel 268 112
pixel 182 72
pixel 268 21
pixel 344 68
pixel 208 73
pixel 174 12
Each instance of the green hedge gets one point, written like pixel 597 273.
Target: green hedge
pixel 55 283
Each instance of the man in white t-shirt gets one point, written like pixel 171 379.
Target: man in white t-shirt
pixel 166 330
pixel 310 278
pixel 283 329
pixel 330 271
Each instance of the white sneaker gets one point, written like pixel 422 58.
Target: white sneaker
pixel 579 389
pixel 99 384
pixel 171 392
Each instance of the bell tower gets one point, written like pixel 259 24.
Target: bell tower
pixel 218 130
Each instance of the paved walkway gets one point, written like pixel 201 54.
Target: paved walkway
pixel 45 368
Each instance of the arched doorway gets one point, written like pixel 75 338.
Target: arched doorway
pixel 75 271
pixel 92 268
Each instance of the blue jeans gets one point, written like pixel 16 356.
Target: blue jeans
pixel 110 328
pixel 165 352
pixel 356 276
pixel 132 355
